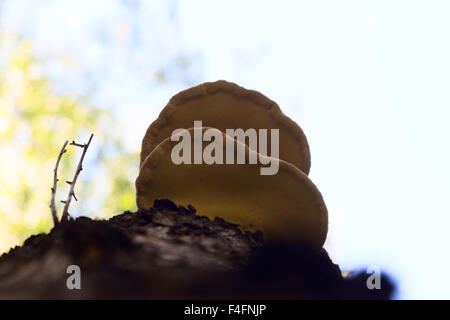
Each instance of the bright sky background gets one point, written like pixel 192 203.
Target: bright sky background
pixel 368 81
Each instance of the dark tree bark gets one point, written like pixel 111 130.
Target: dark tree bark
pixel 170 252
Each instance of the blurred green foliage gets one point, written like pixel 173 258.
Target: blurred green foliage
pixel 34 123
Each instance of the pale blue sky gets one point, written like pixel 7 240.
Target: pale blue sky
pixel 368 81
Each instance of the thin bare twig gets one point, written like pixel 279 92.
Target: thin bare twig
pixel 55 181
pixel 71 194
pixel 73 143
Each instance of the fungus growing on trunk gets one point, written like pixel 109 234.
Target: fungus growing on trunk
pixel 225 105
pixel 286 207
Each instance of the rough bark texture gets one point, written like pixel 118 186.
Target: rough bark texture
pixel 169 252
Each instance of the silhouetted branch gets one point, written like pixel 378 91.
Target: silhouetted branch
pixel 73 143
pixel 72 183
pixel 55 181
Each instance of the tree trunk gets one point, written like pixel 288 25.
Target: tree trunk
pixel 169 252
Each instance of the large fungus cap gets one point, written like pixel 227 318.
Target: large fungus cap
pixel 286 206
pixel 225 105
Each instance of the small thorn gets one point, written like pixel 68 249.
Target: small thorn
pixel 69 182
pixel 73 143
pixel 63 201
pixel 73 194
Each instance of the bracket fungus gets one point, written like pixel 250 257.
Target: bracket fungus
pixel 286 207
pixel 223 105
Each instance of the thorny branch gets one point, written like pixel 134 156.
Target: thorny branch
pixel 55 181
pixel 71 194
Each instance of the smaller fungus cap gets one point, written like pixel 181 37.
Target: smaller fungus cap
pixel 286 207
pixel 225 105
